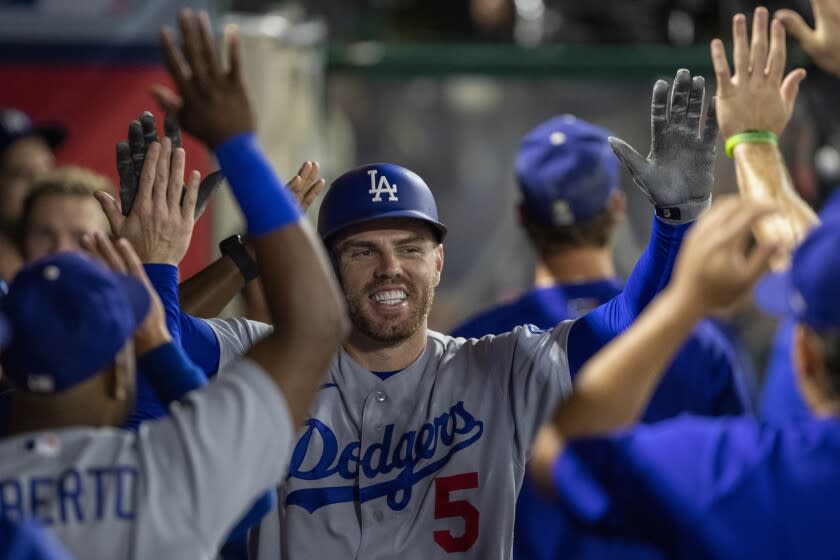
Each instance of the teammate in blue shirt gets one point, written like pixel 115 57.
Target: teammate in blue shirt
pixel 780 397
pixel 571 204
pixel 730 488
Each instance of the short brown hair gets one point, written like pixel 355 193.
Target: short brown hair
pixel 597 232
pixel 68 180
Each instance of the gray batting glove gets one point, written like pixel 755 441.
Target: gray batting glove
pixel 677 175
pixel 132 154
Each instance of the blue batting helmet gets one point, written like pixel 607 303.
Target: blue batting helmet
pixel 373 192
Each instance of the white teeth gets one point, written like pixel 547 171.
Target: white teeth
pixel 389 297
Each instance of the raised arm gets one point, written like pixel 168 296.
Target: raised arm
pixel 303 297
pixel 715 268
pixel 822 42
pixel 759 97
pixel 677 178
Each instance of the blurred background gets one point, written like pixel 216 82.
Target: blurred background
pixel 444 87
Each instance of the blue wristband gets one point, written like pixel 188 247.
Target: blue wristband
pixel 170 372
pixel 266 203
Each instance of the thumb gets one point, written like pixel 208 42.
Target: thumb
pixel 631 159
pixel 796 26
pixel 790 86
pixel 111 207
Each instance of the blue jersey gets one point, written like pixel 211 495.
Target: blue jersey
pixel 26 540
pixel 703 379
pixel 711 487
pixel 780 398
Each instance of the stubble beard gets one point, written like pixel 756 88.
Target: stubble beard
pixel 387 332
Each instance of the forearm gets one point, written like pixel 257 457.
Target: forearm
pixel 171 373
pixel 615 386
pixel 650 275
pixel 208 291
pixel 763 176
pixel 303 298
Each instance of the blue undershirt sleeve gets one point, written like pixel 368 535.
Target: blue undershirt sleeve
pixel 651 274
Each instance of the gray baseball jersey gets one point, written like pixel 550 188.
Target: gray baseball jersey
pixel 172 490
pixel 425 463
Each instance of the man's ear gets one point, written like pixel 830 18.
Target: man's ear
pixel 439 258
pixel 617 205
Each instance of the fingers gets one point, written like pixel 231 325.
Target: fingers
pixel 658 114
pixel 740 223
pixel 778 53
pixel 111 208
pixel 758 52
pixel 710 133
pixel 740 48
pixel 137 145
pixel 231 40
pixel 106 251
pixel 168 100
pixel 171 129
pixel 188 204
pixel 205 190
pixel 313 193
pixel 128 180
pixel 161 182
pixel 796 26
pixel 208 46
pixel 680 94
pixel 189 26
pixel 695 104
pixel 723 76
pixel 147 121
pixel 174 60
pixel 176 179
pixel 147 177
pixel 628 156
pixel 790 86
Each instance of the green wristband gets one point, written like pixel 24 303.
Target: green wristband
pixel 751 137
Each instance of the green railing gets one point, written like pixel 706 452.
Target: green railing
pixel 556 61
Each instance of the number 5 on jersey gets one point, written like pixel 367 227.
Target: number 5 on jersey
pixel 446 508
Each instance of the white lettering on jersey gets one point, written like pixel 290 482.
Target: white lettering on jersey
pixel 382 187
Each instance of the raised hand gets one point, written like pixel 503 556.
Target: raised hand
pixel 121 258
pixel 755 97
pixel 677 174
pixel 132 153
pixel 307 185
pixel 159 226
pixel 716 265
pixel 212 103
pixel 822 43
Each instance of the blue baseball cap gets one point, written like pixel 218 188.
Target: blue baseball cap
pixel 68 316
pixel 566 171
pixel 808 290
pixel 15 125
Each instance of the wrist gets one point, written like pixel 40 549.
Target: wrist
pixel 685 303
pixel 148 339
pixel 751 138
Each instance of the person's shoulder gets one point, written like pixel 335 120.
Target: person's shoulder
pixel 540 306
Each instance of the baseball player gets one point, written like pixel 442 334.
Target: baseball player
pixel 417 442
pixel 175 488
pixel 780 399
pixel 699 487
pixel 568 178
pixel 26 540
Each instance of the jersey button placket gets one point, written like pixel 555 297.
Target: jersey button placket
pixel 376 416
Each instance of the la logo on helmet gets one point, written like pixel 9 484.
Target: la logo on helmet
pixel 383 186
